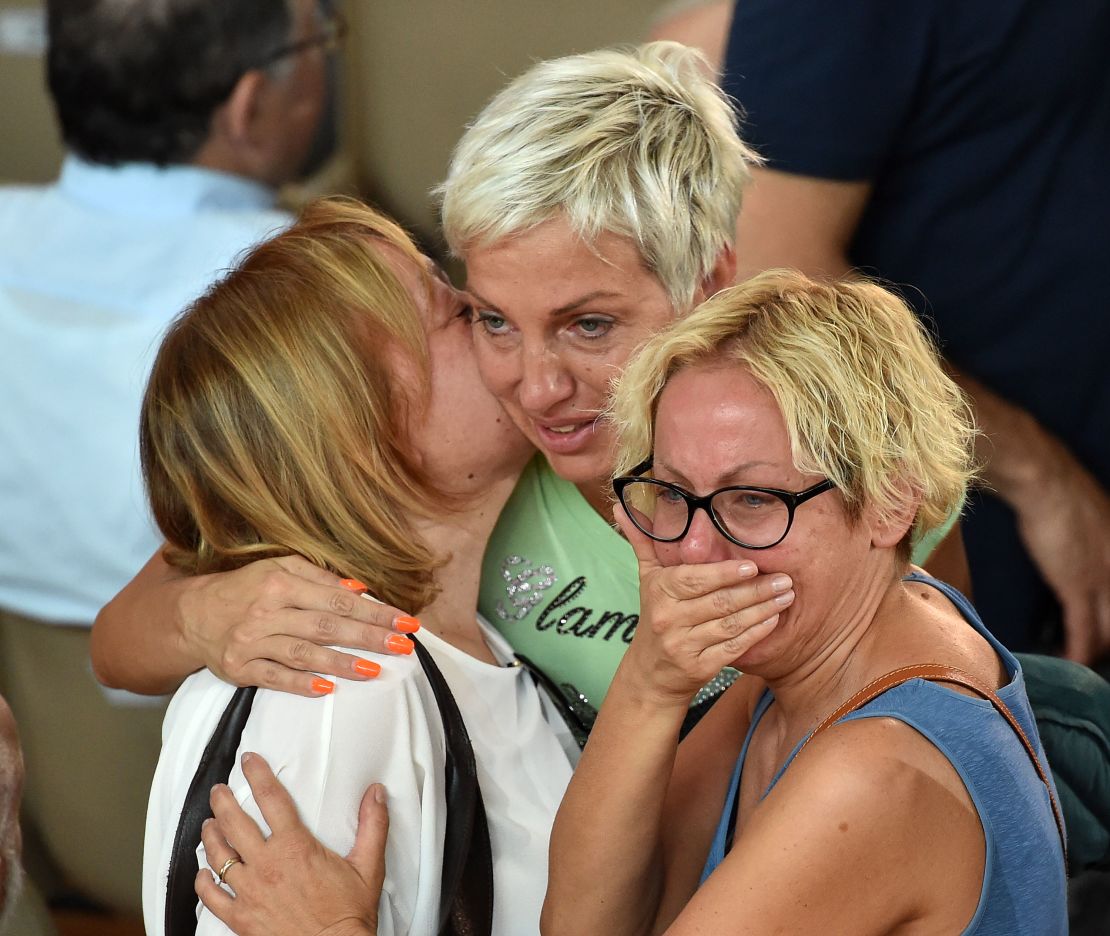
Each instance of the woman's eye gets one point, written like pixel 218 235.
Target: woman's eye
pixel 592 327
pixel 493 323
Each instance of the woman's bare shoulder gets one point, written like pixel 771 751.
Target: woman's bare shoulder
pixel 861 834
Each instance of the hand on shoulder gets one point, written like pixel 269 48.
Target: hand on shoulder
pixel 272 624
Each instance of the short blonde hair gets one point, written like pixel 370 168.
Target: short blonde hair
pixel 273 421
pixel 639 143
pixel 858 380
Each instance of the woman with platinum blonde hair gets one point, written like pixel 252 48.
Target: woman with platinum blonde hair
pixel 877 768
pixel 594 202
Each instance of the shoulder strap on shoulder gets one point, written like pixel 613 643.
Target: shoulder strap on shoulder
pixel 466 894
pixel 215 767
pixel 937 672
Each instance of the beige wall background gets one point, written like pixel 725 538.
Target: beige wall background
pixel 415 71
pixel 30 150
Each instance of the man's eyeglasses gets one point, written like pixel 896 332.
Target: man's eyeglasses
pixel 751 517
pixel 328 36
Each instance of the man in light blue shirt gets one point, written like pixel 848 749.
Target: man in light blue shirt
pixel 181 118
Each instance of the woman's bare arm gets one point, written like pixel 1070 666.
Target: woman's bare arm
pixel 267 624
pixel 607 867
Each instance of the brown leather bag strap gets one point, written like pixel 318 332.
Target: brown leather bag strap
pixel 936 672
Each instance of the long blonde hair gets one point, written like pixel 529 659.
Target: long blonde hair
pixel 859 382
pixel 274 423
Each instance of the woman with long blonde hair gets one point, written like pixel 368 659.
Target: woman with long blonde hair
pixel 323 401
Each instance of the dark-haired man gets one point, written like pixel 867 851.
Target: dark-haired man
pixel 180 117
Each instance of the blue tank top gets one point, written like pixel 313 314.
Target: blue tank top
pixel 1024 889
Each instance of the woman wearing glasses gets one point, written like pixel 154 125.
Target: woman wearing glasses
pixel 877 769
pixel 807 429
pixel 593 201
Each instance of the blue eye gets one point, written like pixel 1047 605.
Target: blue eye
pixel 755 500
pixel 593 327
pixel 493 323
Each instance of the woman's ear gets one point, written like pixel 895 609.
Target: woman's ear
pixel 723 273
pixel 889 531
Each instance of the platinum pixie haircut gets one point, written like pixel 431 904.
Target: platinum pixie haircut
pixel 639 143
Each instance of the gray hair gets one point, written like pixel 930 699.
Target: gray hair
pixel 639 143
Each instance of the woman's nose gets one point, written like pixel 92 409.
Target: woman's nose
pixel 703 542
pixel 544 382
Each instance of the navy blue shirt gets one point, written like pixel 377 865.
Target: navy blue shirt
pixel 983 127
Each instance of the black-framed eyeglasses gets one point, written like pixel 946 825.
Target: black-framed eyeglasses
pixel 751 517
pixel 328 36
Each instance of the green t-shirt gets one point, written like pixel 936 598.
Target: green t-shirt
pixel 562 584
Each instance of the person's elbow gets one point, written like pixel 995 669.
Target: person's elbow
pixel 118 662
pixel 100 650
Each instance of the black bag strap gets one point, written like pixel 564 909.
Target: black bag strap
pixel 466 894
pixel 215 767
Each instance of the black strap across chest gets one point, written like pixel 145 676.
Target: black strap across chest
pixel 466 895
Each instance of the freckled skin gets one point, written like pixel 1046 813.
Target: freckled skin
pixel 738 423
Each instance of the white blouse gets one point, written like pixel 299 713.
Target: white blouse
pixel 326 751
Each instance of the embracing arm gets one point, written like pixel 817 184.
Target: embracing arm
pixel 138 639
pixel 266 624
pixel 608 869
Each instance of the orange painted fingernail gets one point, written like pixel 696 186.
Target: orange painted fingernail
pixel 323 686
pixel 353 584
pixel 406 623
pixel 399 644
pixel 367 668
